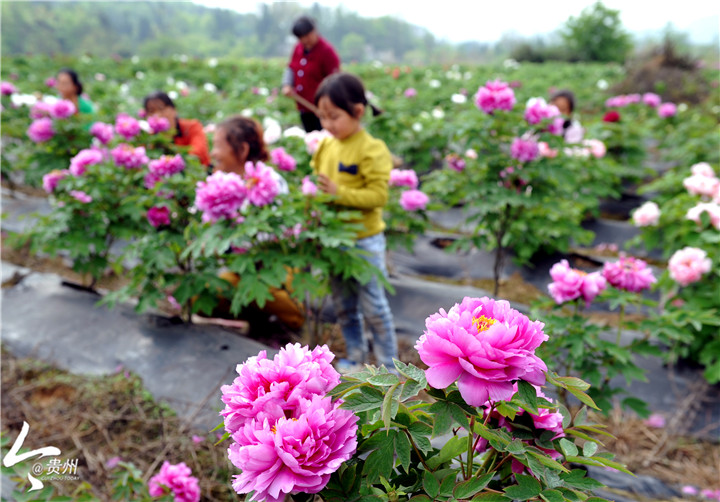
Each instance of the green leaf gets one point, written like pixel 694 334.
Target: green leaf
pixel 455 446
pixel 447 485
pixel 402 448
pixel 577 479
pixel 431 484
pixel 363 401
pixel 472 486
pixel 380 462
pixel 516 447
pixel 568 448
pixel 420 498
pixel 584 398
pixel 528 397
pixel 490 497
pixel 411 388
pixel 420 431
pixel 547 461
pixel 388 404
pixel 552 496
pixel 589 448
pixel 384 380
pixel 411 371
pixel 527 488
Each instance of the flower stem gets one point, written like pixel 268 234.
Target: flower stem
pixel 471 450
pixel 620 323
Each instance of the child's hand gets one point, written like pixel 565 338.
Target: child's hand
pixel 327 185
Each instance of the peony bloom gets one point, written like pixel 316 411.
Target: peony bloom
pixel 126 126
pixel 611 116
pixel 646 215
pixel 261 185
pixel 268 389
pixel 283 160
pixel 629 273
pixel 666 110
pixel 41 130
pixel 50 180
pixel 711 208
pixel 102 131
pixel 538 110
pixel 471 154
pixel 403 178
pixel 688 265
pixel 158 124
pixel 569 283
pixel 295 454
pixel 80 196
pixel 597 148
pixel 62 109
pixel 495 95
pixel 651 99
pixel 308 187
pixel 617 101
pixel 702 169
pixel 524 150
pixel 128 156
pixel 410 92
pixel 313 139
pixel 592 285
pixel 158 216
pixel 7 88
pixel 220 196
pixel 176 480
pixel 50 82
pixel 455 162
pixel 113 462
pixel 557 127
pixel 545 151
pixel 485 346
pixel 166 165
pixel 412 200
pixel 655 420
pixel 88 157
pixel 689 490
pixel 699 184
pixel 40 109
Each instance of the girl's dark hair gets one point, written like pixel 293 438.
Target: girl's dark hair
pixel 239 130
pixel 567 95
pixel 158 96
pixel 302 26
pixel 345 91
pixel 74 77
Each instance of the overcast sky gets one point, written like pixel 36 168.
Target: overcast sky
pixel 481 20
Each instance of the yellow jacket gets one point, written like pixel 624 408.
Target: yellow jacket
pixel 360 166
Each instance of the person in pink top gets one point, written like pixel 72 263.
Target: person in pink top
pixel 312 60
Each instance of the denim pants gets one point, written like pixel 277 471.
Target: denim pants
pixel 355 303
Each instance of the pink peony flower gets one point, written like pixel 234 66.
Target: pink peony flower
pixel 410 92
pixel 483 344
pixel 51 179
pixel 174 303
pixel 646 215
pixel 268 389
pixel 651 99
pixel 62 109
pixel 597 148
pixel 261 185
pixel 412 200
pixel 633 98
pixel 611 116
pixel 471 154
pixel 128 156
pixel 7 88
pixel 176 480
pixel 545 151
pixel 308 187
pixel 557 126
pixel 629 273
pixel 197 439
pixel 616 101
pixel 313 139
pixel 167 165
pixel 157 124
pixel 102 131
pixel 158 216
pixel 698 184
pixel 142 113
pixel 655 420
pixel 88 157
pixel 296 454
pixel 569 283
pixel 150 180
pixel 50 82
pixel 711 494
pixel 220 196
pixel 403 178
pixel 524 150
pixel 702 169
pixel 495 95
pixel 538 110
pixel 80 196
pixel 41 130
pixel 112 462
pixel 546 418
pixel 455 162
pixel 40 109
pixel 126 126
pixel 283 160
pixel 711 208
pixel 688 264
pixel 690 490
pixel 666 110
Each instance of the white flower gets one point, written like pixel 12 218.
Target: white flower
pixel 682 107
pixel 471 154
pixel 417 127
pixel 602 84
pixel 424 115
pixel 434 83
pixel 124 89
pixel 220 114
pixel 139 75
pixel 170 81
pixel 209 87
pixel 294 132
pixel 183 58
pixel 459 99
pixel 438 113
pixel 263 91
pixel 144 125
pixel 273 131
pixel 181 85
pixel 99 77
pixel 85 59
pixel 173 94
pixel 212 62
pixel 209 129
pixel 247 112
pixel 23 99
pixel 377 64
pixel 468 75
pixel 135 60
pixel 511 64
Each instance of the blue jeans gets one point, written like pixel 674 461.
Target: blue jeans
pixel 355 303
